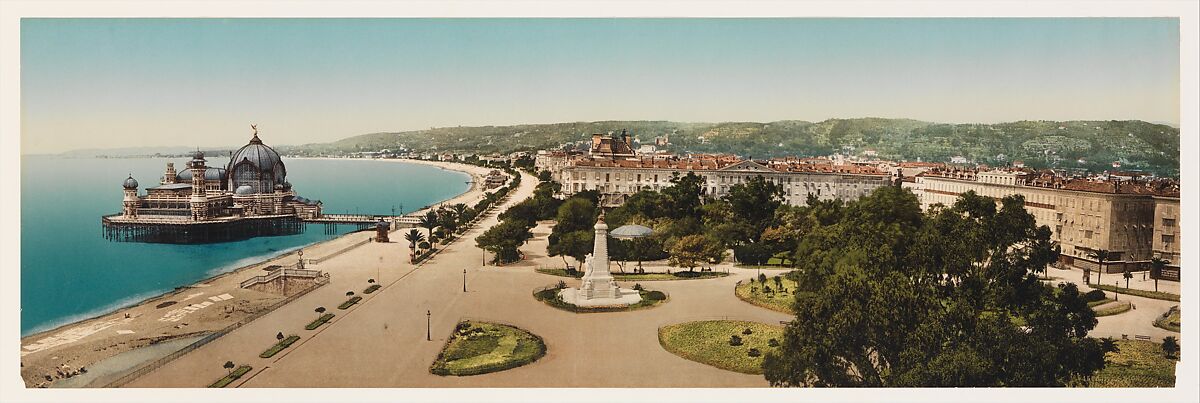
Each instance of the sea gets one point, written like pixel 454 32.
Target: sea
pixel 69 272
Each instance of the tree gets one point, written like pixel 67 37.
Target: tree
pixel 228 367
pixel 576 244
pixel 1156 269
pixel 544 176
pixel 575 214
pixel 890 297
pixel 349 293
pixel 320 310
pixel 279 336
pixel 503 240
pixel 429 221
pixel 1170 346
pixel 1101 256
pixel 694 250
pixel 684 195
pixel 752 253
pixel 754 203
pixel 414 237
pixel 1127 276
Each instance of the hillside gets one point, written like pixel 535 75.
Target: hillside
pixel 1092 145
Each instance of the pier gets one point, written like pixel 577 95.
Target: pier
pixel 182 230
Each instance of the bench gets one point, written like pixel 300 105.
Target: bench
pixel 1141 337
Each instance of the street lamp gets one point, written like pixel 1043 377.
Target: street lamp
pixel 464 280
pixel 428 321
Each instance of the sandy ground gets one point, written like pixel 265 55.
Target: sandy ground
pixel 381 342
pixel 198 309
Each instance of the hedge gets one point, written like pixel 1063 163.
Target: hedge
pixel 282 344
pixel 550 297
pixel 320 321
pixel 1125 306
pixel 350 302
pixel 1166 296
pixel 233 376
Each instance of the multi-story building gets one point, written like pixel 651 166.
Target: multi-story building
pixel 614 170
pixel 1087 217
pixel 1166 232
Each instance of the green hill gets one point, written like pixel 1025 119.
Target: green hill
pixel 1092 145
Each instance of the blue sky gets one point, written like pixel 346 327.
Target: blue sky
pixel 199 82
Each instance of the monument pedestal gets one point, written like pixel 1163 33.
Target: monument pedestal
pixel 598 287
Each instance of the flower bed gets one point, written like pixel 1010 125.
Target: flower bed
pixel 1166 296
pixel 350 302
pixel 722 343
pixel 775 300
pixel 371 289
pixel 233 376
pixel 320 321
pixel 482 347
pixel 678 275
pixel 1169 320
pixel 1121 307
pixel 282 344
pixel 550 297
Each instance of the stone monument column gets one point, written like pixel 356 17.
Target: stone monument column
pixel 598 282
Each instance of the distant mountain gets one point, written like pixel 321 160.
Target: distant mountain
pixel 1092 145
pixel 165 151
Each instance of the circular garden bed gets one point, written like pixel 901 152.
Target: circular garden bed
pixel 483 347
pixel 732 345
pixel 551 297
pixel 768 294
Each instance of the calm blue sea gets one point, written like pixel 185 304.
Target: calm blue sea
pixel 70 272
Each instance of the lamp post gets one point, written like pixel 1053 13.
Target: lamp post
pixel 428 321
pixel 464 280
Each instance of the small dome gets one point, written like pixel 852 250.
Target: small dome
pixel 244 190
pixel 130 183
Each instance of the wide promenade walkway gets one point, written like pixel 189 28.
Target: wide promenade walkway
pixel 381 341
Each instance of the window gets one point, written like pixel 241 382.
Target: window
pixel 1168 222
pixel 1168 238
pixel 1087 234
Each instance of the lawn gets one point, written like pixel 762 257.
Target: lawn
pixel 233 376
pixel 319 321
pixel 1166 296
pixel 752 292
pixel 1119 308
pixel 482 347
pixel 1169 320
pixel 708 342
pixel 676 275
pixel 550 297
pixel 1138 364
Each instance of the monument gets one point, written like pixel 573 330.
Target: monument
pixel 598 287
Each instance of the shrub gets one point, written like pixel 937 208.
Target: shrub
pixel 754 352
pixel 638 287
pixel 561 285
pixel 773 342
pixel 747 331
pixel 656 295
pixel 735 340
pixel 1094 295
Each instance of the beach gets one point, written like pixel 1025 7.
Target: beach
pixel 191 311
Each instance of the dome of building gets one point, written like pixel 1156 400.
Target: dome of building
pixel 256 164
pixel 209 174
pixel 130 183
pixel 244 190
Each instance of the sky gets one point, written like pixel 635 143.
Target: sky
pixel 108 83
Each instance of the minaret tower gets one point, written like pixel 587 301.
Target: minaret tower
pixel 199 200
pixel 169 176
pixel 130 203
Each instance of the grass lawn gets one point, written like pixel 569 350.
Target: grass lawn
pixel 675 275
pixel 752 292
pixel 708 342
pixel 1094 304
pixel 1138 364
pixel 550 297
pixel 1169 320
pixel 233 376
pixel 482 347
pixel 319 321
pixel 1121 307
pixel 1166 296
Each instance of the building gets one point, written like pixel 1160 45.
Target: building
pixel 613 169
pixel 249 197
pixel 1166 232
pixel 1085 215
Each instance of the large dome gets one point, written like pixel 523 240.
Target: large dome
pixel 130 183
pixel 257 165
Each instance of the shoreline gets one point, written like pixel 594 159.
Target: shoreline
pixel 473 192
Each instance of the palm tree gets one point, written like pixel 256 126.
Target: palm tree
pixel 1127 276
pixel 414 237
pixel 459 208
pixel 429 221
pixel 1100 255
pixel 1156 268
